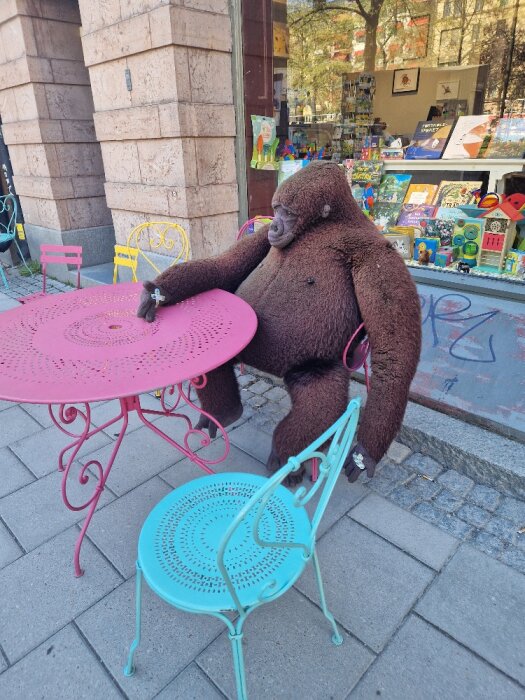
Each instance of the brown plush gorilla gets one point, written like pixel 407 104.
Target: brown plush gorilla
pixel 312 276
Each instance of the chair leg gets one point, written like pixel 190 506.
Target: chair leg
pixel 238 663
pixel 336 637
pixel 4 278
pixel 22 258
pixel 130 668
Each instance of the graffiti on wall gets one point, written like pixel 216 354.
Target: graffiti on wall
pixel 473 355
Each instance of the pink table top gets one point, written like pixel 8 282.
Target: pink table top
pixel 89 345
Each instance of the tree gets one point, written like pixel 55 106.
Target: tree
pixel 380 18
pixel 506 78
pixel 318 51
pixel 368 10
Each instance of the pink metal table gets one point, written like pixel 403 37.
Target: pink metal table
pixel 69 350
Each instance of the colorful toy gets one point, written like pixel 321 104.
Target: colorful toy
pixel 288 152
pixel 444 257
pixel 517 200
pixel 489 200
pixel 424 245
pixel 499 235
pixel 467 236
pixel 515 262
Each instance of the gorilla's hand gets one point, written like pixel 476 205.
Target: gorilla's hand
pixel 359 461
pixel 150 298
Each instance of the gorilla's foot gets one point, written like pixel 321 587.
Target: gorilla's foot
pixel 225 419
pixel 274 463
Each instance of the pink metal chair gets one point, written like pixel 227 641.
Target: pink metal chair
pixel 359 355
pixel 359 359
pixel 245 228
pixel 56 255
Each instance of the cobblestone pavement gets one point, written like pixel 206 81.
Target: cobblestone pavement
pixel 20 286
pixel 474 513
pixel 421 568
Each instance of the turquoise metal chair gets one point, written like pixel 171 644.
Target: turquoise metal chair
pixel 233 541
pixel 8 208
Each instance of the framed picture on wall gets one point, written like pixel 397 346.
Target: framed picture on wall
pixel 405 80
pixel 447 90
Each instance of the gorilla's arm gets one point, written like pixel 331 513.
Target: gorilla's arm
pixel 390 308
pixel 225 271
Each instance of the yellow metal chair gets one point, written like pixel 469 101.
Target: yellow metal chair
pixel 153 237
pixel 160 236
pixel 125 257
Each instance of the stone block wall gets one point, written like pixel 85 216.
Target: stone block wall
pixel 46 108
pixel 168 143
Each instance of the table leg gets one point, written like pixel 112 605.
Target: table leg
pixel 180 396
pixel 67 415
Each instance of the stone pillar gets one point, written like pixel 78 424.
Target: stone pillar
pixel 168 142
pixel 47 114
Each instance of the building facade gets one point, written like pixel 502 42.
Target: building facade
pixel 117 112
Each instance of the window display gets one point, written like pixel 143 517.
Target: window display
pixel 384 93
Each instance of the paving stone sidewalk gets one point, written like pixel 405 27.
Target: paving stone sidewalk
pixel 423 568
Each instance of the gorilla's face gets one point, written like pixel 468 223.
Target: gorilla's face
pixel 283 227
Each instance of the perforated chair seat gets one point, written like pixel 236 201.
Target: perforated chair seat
pixel 179 541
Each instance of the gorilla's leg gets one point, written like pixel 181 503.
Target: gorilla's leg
pixel 220 398
pixel 319 393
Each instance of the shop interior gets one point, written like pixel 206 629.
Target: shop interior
pixel 377 123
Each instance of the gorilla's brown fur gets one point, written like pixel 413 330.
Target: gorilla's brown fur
pixel 309 297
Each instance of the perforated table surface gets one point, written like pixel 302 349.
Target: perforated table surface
pixel 89 345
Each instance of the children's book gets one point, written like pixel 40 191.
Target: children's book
pixel 366 176
pixel 402 242
pixel 420 194
pixel 508 140
pixel 439 228
pixel 393 187
pixel 367 171
pixel 386 214
pixel 452 193
pixel 467 136
pixel 412 214
pixel 453 213
pixel 429 140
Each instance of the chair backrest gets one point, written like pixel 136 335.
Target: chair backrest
pixel 8 211
pixel 158 237
pixel 252 223
pixel 125 257
pixel 60 255
pixel 337 441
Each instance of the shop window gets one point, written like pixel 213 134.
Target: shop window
pixel 449 46
pixel 333 90
pixel 452 8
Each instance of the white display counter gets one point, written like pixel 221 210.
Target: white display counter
pixel 496 167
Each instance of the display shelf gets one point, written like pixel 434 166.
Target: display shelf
pixel 496 167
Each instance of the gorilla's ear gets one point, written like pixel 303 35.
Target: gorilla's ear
pixel 326 211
